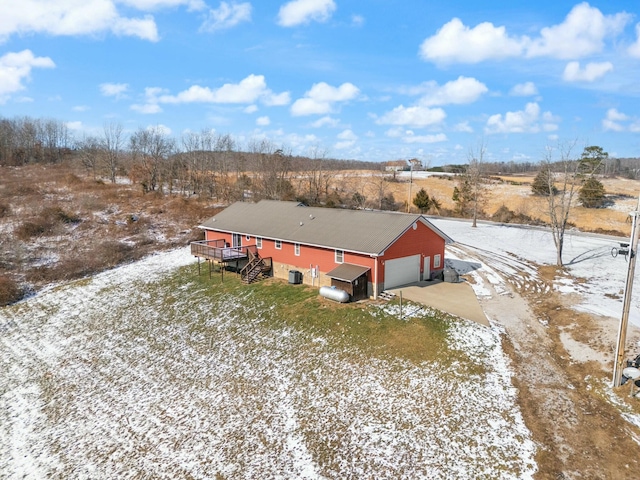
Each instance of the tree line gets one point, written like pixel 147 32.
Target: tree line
pixel 205 163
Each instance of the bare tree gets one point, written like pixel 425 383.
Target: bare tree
pixel 470 193
pixel 112 143
pixel 89 151
pixel 150 149
pixel 564 179
pixel 199 161
pixel 380 187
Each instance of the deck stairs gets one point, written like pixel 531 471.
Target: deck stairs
pixel 385 295
pixel 256 268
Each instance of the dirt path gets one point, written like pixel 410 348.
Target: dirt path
pixel 579 432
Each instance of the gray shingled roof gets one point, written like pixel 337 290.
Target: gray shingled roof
pixel 347 272
pixel 359 231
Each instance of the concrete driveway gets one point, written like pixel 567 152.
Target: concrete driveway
pixel 455 298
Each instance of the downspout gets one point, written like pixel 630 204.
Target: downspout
pixel 375 280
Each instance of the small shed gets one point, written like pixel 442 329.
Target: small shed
pixel 352 279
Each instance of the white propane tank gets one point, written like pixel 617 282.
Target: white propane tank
pixel 333 293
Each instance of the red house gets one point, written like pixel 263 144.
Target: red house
pixel 362 252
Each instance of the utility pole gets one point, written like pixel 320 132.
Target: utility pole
pixel 626 304
pixel 410 184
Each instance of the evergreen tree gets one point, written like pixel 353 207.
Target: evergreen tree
pixel 463 197
pixel 422 201
pixel 592 193
pixel 543 184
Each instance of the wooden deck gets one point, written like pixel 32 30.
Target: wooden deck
pixel 218 251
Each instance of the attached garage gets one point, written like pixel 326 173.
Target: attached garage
pixel 401 271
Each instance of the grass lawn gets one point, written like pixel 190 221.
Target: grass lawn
pixel 151 371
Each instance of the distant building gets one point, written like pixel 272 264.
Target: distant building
pixel 415 164
pixel 396 165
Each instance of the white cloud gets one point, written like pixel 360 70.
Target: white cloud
pixel 114 89
pixel 321 97
pixel 522 121
pixel 526 89
pixel 348 140
pixel 249 90
pixel 463 127
pixel 347 135
pixel 463 90
pixel 357 20
pixel 227 16
pixel 299 12
pixel 15 69
pixel 76 126
pixel 160 129
pixel 81 108
pixel 613 119
pixel 271 99
pixel 412 138
pixel 133 27
pixel 581 33
pixel 634 49
pixel 325 122
pixel 590 73
pixel 409 136
pixel 146 108
pixel 455 42
pixel 251 109
pixel 416 116
pixel 263 121
pixel 150 5
pixel 615 115
pixel 73 17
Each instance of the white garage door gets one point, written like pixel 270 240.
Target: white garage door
pixel 401 271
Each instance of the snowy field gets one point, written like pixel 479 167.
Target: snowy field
pixel 143 372
pixel 587 258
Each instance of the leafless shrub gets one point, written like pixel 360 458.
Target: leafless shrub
pixel 72 179
pixel 58 215
pixel 34 228
pixel 10 291
pixel 5 209
pixel 45 223
pixel 113 253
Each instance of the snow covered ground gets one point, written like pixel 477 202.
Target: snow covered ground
pixel 127 375
pixel 587 257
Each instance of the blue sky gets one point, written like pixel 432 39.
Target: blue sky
pixel 375 80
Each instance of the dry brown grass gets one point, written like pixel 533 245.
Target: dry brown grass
pixel 515 193
pixel 58 224
pixel 55 220
pixel 10 290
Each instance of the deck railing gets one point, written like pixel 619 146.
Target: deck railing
pixel 218 250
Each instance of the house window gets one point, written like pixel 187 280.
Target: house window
pixel 236 240
pixel 296 248
pixel 259 242
pixel 339 256
pixel 278 244
pixel 248 237
pixel 436 261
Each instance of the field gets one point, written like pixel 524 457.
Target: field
pixel 147 370
pixel 151 371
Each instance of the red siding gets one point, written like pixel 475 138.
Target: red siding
pixel 323 258
pixel 422 240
